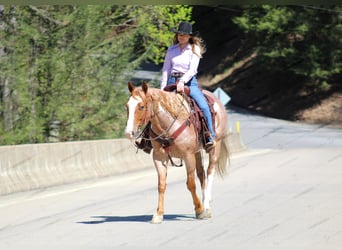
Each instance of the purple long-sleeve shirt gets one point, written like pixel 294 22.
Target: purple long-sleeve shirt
pixel 180 61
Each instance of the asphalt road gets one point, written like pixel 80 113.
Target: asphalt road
pixel 284 192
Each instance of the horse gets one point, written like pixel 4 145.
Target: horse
pixel 168 112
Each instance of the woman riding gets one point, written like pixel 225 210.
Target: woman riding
pixel 180 67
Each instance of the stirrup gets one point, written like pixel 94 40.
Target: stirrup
pixel 210 143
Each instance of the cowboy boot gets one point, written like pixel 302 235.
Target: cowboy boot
pixel 210 142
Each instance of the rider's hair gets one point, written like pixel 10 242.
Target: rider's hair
pixel 195 41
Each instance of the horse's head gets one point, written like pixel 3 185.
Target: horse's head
pixel 137 110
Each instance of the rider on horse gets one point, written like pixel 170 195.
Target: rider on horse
pixel 180 69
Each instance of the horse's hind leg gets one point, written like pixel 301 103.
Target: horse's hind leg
pixel 201 174
pixel 200 170
pixel 213 158
pixel 206 213
pixel 207 179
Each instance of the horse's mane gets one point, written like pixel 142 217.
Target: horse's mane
pixel 176 104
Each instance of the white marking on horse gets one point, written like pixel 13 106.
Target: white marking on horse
pixel 161 108
pixel 131 104
pixel 208 190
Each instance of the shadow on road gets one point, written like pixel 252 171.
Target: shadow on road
pixel 136 218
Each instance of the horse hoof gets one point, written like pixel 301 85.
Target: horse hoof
pixel 206 214
pixel 157 219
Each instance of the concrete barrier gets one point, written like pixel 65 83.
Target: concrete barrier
pixel 26 167
pixel 35 166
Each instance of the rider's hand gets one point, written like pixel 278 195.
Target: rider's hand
pixel 180 87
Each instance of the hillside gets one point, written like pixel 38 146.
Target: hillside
pixel 229 64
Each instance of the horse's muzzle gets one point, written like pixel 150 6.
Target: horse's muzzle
pixel 130 134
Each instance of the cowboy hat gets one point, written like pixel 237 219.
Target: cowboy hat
pixel 184 28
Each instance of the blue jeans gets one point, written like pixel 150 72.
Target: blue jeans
pixel 201 101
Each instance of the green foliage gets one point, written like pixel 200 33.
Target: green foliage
pixel 69 65
pixel 152 34
pixel 305 41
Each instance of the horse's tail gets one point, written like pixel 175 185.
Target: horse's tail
pixel 223 157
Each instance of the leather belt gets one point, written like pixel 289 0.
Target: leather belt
pixel 177 74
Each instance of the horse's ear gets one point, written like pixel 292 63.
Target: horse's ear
pixel 145 87
pixel 130 86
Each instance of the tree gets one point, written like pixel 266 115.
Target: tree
pixel 65 68
pixel 304 40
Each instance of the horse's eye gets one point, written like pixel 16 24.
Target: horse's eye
pixel 141 107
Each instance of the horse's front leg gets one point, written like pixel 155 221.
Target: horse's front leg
pixel 160 164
